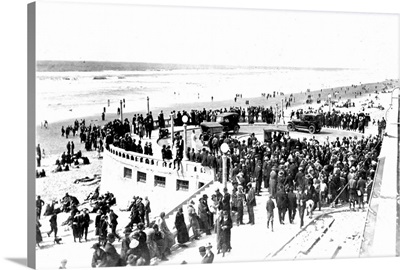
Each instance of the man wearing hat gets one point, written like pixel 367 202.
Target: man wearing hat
pixel 99 258
pixel 251 202
pixel 114 223
pixel 273 181
pixel 299 179
pixel 125 243
pixel 112 256
pixel 206 253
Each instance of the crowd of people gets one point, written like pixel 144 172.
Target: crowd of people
pixel 300 176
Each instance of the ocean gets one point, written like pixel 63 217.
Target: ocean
pixel 67 90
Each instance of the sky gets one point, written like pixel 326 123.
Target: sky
pixel 132 33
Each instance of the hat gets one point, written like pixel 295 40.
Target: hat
pixel 136 235
pixel 280 173
pixel 127 230
pixel 96 246
pixel 205 196
pixel 140 226
pixel 64 261
pixel 110 236
pixel 202 249
pixel 208 245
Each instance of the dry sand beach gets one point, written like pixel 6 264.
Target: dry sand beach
pixel 55 185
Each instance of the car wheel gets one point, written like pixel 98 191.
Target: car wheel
pixel 236 129
pixel 290 127
pixel 311 129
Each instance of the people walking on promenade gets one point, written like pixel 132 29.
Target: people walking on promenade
pixel 270 213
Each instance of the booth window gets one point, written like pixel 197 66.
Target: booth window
pixel 141 177
pixel 127 173
pixel 159 181
pixel 182 185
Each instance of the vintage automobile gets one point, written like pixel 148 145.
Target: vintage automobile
pixel 277 130
pixel 309 121
pixel 225 122
pixel 208 129
pixel 230 121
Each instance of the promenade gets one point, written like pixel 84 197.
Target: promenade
pixel 382 229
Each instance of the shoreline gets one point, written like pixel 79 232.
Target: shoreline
pixel 51 140
pixel 218 104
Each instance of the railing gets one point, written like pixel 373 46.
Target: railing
pixel 191 167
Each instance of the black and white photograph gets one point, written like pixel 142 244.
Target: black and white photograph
pixel 170 134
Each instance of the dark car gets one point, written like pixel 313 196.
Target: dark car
pixel 224 123
pixel 230 121
pixel 309 121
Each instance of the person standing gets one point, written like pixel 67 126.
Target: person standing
pixel 68 148
pixel 103 230
pixel 193 138
pixel 39 205
pixel 270 213
pixel 97 223
pixel 180 225
pixel 292 204
pixel 353 192
pixel 85 223
pixel 301 204
pixel 161 122
pixel 282 204
pixel 241 199
pixel 225 226
pixel 361 186
pixel 203 211
pixel 251 202
pixel 169 237
pixel 193 221
pixel 72 148
pixel 114 223
pixel 53 227
pixel 38 155
pixel 147 211
pixel 258 177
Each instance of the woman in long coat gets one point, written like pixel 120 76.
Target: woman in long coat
pixel 170 239
pixel 203 213
pixel 225 233
pixel 193 221
pixel 180 225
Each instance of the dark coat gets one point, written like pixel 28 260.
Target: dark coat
pixel 281 199
pixel 292 200
pixel 180 225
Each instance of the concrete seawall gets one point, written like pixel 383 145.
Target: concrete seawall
pixel 381 234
